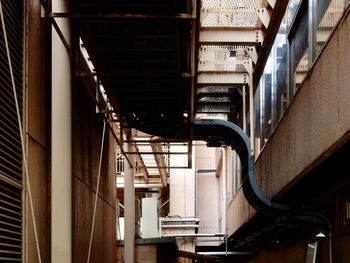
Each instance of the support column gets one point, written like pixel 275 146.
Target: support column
pixel 61 160
pixel 129 210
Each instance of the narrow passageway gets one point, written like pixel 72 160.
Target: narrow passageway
pixel 174 131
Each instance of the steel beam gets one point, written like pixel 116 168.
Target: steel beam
pixel 227 11
pixel 214 108
pixel 264 16
pixel 252 53
pixel 279 8
pixel 139 158
pixel 228 78
pixel 156 153
pixel 157 147
pixel 153 185
pixel 120 16
pixel 272 3
pixel 231 36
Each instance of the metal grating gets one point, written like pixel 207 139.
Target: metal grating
pixel 230 13
pixel 221 58
pixel 333 13
pixel 10 145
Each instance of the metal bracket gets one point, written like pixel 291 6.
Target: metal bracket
pixel 264 16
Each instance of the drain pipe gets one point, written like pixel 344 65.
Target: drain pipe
pixel 224 189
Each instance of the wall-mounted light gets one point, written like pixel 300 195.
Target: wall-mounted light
pixel 320 235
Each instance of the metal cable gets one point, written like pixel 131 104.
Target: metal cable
pixel 97 191
pixel 25 164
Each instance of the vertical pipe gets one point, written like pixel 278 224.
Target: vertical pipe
pixel 196 193
pixel 251 112
pixel 224 189
pixel 129 208
pixel 244 108
pixel 61 142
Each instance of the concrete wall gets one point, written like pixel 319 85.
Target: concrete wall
pixel 182 185
pixel 292 254
pixel 143 254
pixel 87 133
pixel 316 123
pixel 341 249
pixel 208 190
pixel 37 128
pixel 182 197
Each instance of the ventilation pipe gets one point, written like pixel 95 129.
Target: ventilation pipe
pixel 220 132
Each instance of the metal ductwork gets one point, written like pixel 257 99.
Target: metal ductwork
pixel 220 132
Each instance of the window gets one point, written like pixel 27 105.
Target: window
pixel 299 46
pixel 304 30
pixel 327 14
pixel 120 163
pixel 281 77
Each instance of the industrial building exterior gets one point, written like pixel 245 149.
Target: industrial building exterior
pixel 174 131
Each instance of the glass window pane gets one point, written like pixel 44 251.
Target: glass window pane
pixel 281 70
pixel 299 46
pixel 291 11
pixel 257 121
pixel 266 99
pixel 301 71
pixel 327 14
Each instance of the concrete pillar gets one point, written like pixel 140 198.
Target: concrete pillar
pixel 61 162
pixel 129 209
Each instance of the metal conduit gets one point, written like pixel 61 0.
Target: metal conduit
pixel 220 132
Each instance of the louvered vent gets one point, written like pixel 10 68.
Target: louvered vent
pixel 10 145
pixel 342 215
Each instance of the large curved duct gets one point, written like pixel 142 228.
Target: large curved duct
pixel 220 132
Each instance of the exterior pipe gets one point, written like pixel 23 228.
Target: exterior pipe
pixel 220 132
pixel 180 226
pixel 226 133
pixel 214 235
pixel 180 219
pixel 223 253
